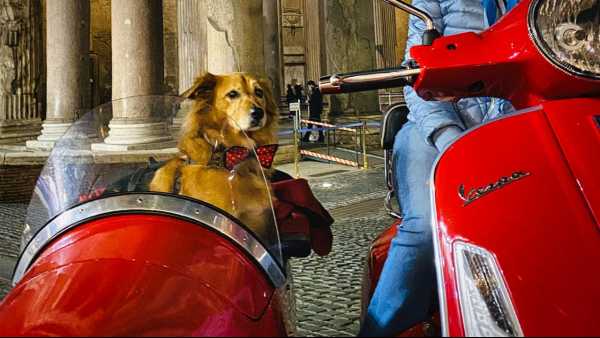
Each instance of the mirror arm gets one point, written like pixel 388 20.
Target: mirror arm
pixel 431 33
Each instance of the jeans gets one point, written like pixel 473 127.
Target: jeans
pixel 406 289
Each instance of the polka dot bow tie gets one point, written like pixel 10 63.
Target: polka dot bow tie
pixel 236 155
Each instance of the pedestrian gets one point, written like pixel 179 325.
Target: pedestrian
pixel 299 92
pixel 315 109
pixel 290 97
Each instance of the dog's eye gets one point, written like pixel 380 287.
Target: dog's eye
pixel 233 94
pixel 259 92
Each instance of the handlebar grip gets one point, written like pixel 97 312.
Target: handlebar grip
pixel 368 80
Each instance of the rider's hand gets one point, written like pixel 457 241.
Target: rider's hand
pixel 444 136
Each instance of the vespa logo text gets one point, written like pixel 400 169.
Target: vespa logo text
pixel 475 194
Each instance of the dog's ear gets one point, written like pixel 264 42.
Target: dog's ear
pixel 202 88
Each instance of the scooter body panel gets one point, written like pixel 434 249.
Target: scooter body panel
pixel 576 124
pixel 502 61
pixel 518 197
pixel 142 275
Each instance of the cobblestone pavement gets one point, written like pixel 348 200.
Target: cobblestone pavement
pixel 12 216
pixel 328 289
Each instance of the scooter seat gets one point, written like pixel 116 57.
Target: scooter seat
pixel 394 119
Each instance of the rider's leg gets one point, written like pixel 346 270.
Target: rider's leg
pixel 405 289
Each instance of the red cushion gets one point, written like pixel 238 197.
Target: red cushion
pixel 307 215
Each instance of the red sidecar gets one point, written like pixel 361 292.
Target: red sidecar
pixel 104 256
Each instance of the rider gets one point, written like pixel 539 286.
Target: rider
pixel 406 288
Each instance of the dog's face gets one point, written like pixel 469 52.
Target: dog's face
pixel 243 99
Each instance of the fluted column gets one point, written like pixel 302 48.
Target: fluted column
pixel 401 32
pixel 67 66
pixel 385 35
pixel 191 33
pixel 137 72
pixel 272 47
pixel 235 36
pixel 191 45
pixel 20 70
pixel 386 56
pixel 315 47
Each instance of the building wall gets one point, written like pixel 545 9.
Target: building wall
pixel 350 46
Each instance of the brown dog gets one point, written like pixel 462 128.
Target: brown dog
pixel 226 111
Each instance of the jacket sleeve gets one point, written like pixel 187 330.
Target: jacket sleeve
pixel 429 116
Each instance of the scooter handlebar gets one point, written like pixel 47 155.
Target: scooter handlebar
pixel 368 80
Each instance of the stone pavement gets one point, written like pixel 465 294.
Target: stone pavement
pixel 328 289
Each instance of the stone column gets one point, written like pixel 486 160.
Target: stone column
pixel 191 42
pixel 235 36
pixel 67 63
pixel 191 45
pixel 21 67
pixel 349 41
pixel 385 35
pixel 316 61
pixel 272 51
pixel 137 71
pixel 401 32
pixel 385 50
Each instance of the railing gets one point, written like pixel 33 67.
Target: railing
pixel 358 129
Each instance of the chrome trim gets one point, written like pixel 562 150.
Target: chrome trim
pixel 338 80
pixel 434 225
pixel 414 11
pixel 335 81
pixel 544 49
pixel 151 203
pixel 477 193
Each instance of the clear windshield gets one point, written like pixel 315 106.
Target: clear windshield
pixel 86 165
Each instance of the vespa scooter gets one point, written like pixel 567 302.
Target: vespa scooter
pixel 516 201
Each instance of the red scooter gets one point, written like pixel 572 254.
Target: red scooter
pixel 516 201
pixel 102 255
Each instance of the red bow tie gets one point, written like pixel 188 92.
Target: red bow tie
pixel 236 155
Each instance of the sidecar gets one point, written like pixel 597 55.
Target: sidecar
pixel 103 255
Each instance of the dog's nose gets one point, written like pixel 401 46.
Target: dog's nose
pixel 257 113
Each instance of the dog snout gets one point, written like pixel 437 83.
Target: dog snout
pixel 257 113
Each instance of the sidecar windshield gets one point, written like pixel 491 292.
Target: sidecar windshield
pixel 130 146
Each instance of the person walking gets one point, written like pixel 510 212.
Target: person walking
pixel 315 109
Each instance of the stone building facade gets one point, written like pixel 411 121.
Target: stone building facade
pixel 21 70
pixel 61 57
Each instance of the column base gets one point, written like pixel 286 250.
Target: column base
pixel 20 131
pixel 136 136
pixel 51 133
pixel 104 147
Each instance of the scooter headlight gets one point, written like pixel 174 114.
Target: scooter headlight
pixel 485 304
pixel 567 32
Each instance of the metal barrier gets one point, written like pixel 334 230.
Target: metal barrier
pixel 359 129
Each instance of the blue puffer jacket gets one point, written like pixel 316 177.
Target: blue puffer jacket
pixel 451 17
